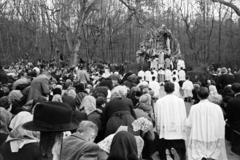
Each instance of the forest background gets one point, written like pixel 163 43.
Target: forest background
pixel 111 30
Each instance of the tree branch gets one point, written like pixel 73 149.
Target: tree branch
pixel 229 4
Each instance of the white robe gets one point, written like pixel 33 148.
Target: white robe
pixel 147 75
pixel 141 74
pixel 207 134
pixel 180 64
pixel 155 87
pixel 176 89
pixel 170 117
pixel 168 75
pixel 187 87
pixel 182 75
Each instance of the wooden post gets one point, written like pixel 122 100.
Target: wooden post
pixel 50 145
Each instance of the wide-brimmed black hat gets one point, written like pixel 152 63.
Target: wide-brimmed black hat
pixel 51 116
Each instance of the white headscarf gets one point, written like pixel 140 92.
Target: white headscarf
pixel 88 104
pixel 119 92
pixel 18 137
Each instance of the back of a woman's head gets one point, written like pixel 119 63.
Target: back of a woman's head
pixel 119 92
pixel 123 147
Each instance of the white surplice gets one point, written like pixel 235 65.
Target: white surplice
pixel 207 134
pixel 155 87
pixel 147 75
pixel 187 88
pixel 170 117
pixel 176 89
pixel 141 74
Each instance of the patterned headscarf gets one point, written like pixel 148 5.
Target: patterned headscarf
pixel 145 103
pixel 15 95
pixel 119 92
pixel 57 98
pixel 88 104
pixel 5 118
pixel 71 93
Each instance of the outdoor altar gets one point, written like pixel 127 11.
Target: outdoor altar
pixel 158 43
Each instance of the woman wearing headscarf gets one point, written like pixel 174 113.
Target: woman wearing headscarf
pixel 119 111
pixel 57 98
pixel 144 108
pixel 133 96
pixel 5 118
pixel 4 103
pixel 101 94
pixel 14 99
pixel 123 147
pixel 81 93
pixel 214 97
pixel 151 138
pixel 89 106
pixel 21 143
pixel 131 81
pixel 77 115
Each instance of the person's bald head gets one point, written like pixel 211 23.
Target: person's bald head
pixel 203 93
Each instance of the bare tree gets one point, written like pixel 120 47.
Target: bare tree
pixel 229 4
pixel 75 38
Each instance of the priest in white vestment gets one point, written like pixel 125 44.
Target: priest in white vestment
pixel 170 122
pixel 187 87
pixel 168 74
pixel 207 130
pixel 176 87
pixel 180 64
pixel 154 85
pixel 141 74
pixel 147 75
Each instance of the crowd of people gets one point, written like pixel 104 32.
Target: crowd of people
pixel 107 114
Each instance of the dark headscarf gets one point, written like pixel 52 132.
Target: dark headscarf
pixel 107 83
pixel 69 101
pixel 80 87
pixel 57 91
pixel 101 92
pixel 123 147
pixel 4 102
pixel 1 93
pixel 126 77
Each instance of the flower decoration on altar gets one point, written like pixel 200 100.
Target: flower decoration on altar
pixel 142 124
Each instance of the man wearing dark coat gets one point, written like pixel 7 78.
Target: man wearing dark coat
pixel 233 118
pixel 225 79
pixel 237 77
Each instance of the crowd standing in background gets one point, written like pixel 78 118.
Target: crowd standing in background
pixel 119 115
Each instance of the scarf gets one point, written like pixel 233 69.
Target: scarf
pixel 5 118
pixel 123 147
pixel 15 95
pixel 57 98
pixel 88 104
pixel 18 137
pixel 119 92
